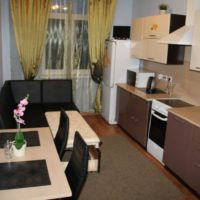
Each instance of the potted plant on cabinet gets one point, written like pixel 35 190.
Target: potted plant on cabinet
pixel 163 8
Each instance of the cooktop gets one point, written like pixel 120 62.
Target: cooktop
pixel 175 103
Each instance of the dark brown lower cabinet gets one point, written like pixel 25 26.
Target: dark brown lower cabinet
pixel 182 150
pixel 133 115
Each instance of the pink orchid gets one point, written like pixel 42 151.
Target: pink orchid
pixel 24 102
pixel 19 112
pixel 20 121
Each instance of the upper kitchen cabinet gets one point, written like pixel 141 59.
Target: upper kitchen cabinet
pixel 156 26
pixel 137 37
pixel 149 30
pixel 195 58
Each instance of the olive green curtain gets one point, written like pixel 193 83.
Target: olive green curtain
pixel 100 17
pixel 30 18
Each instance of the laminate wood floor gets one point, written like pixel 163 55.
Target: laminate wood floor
pixel 101 127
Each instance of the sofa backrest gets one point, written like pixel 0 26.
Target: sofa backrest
pixel 20 88
pixel 57 91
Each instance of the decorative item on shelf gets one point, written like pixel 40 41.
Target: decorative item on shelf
pixel 19 143
pixel 163 8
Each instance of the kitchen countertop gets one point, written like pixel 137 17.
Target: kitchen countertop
pixel 143 95
pixel 190 114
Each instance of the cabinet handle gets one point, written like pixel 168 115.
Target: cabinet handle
pixel 197 67
pixel 150 58
pixel 152 35
pixel 134 119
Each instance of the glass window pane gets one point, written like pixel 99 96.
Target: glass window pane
pixel 81 49
pixel 54 54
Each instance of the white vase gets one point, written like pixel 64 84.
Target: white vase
pixel 19 152
pixel 163 12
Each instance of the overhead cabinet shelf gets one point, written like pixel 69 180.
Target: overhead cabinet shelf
pixel 146 33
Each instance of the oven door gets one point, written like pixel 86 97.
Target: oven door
pixel 157 128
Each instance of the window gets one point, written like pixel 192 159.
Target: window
pixel 57 60
pixel 80 48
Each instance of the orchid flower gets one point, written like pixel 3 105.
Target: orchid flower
pixel 19 112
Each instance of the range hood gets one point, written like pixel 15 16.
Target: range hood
pixel 183 35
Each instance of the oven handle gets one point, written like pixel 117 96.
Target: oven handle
pixel 154 114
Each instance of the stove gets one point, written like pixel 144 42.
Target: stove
pixel 158 125
pixel 162 105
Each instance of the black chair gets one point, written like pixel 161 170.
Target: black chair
pixel 77 167
pixel 62 134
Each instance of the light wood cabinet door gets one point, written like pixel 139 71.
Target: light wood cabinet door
pixel 137 38
pixel 195 58
pixel 156 26
pixel 155 51
pixel 147 31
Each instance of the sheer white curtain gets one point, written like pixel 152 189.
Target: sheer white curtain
pixel 66 53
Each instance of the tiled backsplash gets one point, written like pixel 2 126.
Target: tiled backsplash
pixel 187 82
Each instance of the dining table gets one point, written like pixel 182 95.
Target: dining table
pixel 76 123
pixel 38 174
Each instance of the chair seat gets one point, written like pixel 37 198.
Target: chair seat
pixel 93 162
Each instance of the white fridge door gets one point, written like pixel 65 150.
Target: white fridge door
pixel 123 60
pixel 109 68
pixel 109 104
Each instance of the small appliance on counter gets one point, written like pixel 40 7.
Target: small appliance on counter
pixel 138 77
pixel 151 85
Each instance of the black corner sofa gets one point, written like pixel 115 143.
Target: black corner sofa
pixel 44 95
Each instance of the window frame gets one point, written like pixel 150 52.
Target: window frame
pixel 61 73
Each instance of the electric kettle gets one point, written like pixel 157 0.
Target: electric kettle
pixel 151 85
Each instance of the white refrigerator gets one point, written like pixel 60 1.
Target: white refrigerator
pixel 115 71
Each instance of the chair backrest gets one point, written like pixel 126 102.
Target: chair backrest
pixel 76 170
pixel 62 133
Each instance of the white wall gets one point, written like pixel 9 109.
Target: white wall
pixel 123 14
pixel 5 41
pixel 150 7
pixel 1 71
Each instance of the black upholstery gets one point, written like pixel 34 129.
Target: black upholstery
pixel 34 116
pixel 7 105
pixel 44 96
pixel 62 134
pixel 20 89
pixel 57 106
pixel 57 91
pixel 77 167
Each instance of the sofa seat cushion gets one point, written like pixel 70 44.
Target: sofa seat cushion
pixel 58 106
pixel 34 116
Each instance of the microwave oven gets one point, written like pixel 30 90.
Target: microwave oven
pixel 138 77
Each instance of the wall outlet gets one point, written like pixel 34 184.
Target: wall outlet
pixel 164 77
pixel 170 79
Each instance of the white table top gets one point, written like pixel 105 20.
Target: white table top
pixel 76 123
pixel 59 185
